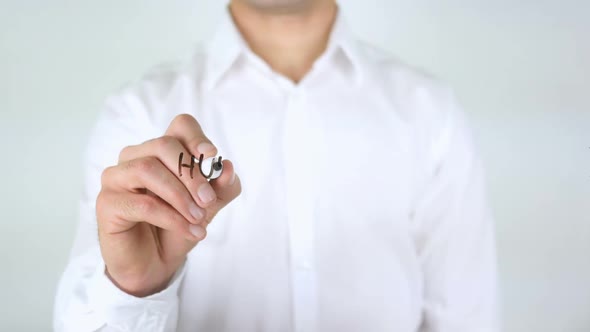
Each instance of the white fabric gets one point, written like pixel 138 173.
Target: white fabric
pixel 363 205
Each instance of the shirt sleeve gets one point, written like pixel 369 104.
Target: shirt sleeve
pixel 89 301
pixel 455 238
pixel 86 299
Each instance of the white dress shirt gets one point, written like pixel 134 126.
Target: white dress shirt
pixel 363 205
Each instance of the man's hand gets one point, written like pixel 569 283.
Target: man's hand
pixel 149 217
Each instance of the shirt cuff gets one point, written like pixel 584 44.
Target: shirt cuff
pixel 125 312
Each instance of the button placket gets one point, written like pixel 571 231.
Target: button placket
pixel 299 205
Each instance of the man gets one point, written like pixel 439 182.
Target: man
pixel 361 204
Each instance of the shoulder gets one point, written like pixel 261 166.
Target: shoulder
pixel 395 74
pixel 417 95
pixel 163 80
pixel 425 103
pixel 160 92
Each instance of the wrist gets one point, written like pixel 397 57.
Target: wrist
pixel 142 286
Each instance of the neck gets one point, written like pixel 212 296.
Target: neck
pixel 289 41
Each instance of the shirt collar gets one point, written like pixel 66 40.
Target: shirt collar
pixel 227 45
pixel 343 42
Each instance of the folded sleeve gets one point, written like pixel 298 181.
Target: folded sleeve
pixel 455 233
pixel 89 301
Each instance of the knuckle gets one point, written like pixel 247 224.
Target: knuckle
pixel 136 206
pixel 144 205
pixel 172 220
pixel 105 176
pixel 101 202
pixel 104 207
pixel 165 143
pixel 144 165
pixel 179 220
pixel 177 196
pixel 123 207
pixel 125 152
pixel 182 119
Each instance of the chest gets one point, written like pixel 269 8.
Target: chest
pixel 344 154
pixel 327 185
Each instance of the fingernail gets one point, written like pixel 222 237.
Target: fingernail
pixel 206 148
pixel 195 211
pixel 232 180
pixel 206 193
pixel 197 231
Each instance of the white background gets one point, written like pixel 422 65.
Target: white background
pixel 520 68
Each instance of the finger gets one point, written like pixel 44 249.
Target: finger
pixel 189 132
pixel 149 173
pixel 118 212
pixel 227 187
pixel 168 149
